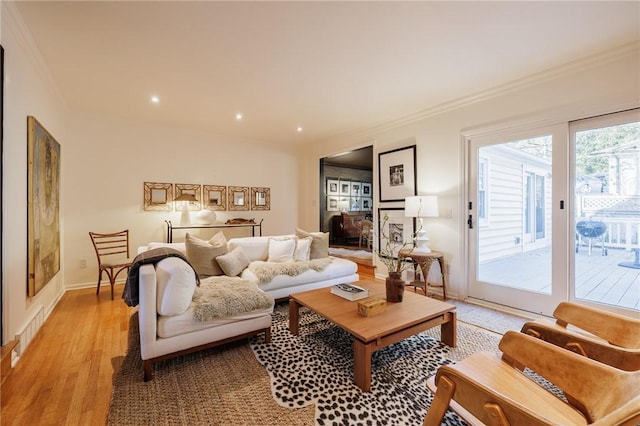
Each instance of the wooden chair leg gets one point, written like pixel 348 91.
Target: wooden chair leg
pixel 441 401
pixel 99 281
pixel 148 370
pixel 495 414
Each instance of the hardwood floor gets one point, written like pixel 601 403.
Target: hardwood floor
pixel 65 375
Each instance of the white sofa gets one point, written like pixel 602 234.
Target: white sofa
pixel 163 336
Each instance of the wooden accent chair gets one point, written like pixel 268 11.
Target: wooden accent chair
pixel 485 389
pixel 603 336
pixel 115 247
pixel 366 233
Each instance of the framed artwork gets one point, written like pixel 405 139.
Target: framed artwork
pixel 43 205
pixel 157 196
pixel 193 189
pixel 394 230
pixel 345 187
pixel 332 203
pixel 367 203
pixel 355 204
pixel 260 198
pixel 397 174
pixel 214 197
pixel 238 198
pixel 333 187
pixel 343 203
pixel 366 189
pixel 356 189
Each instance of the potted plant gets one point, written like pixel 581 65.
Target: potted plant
pixel 387 255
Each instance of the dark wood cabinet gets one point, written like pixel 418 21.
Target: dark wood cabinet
pixel 345 227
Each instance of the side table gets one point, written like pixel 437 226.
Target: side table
pixel 424 260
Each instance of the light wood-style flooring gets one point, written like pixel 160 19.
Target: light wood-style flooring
pixel 65 375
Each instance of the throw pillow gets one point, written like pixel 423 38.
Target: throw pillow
pixel 303 249
pixel 234 262
pixel 176 283
pixel 218 240
pixel 202 256
pixel 281 250
pixel 319 245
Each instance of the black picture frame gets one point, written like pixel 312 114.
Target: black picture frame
pixel 397 174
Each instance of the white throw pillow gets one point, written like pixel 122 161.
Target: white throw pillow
pixel 176 283
pixel 281 250
pixel 303 249
pixel 234 262
pixel 218 240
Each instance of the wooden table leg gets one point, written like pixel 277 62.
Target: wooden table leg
pixel 294 316
pixel 362 365
pixel 448 333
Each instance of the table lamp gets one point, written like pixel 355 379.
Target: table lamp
pixel 186 198
pixel 421 206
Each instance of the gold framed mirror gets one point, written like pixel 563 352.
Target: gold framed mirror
pixel 260 198
pixel 215 197
pixel 193 189
pixel 238 198
pixel 157 196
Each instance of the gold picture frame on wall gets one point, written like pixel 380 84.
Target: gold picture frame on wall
pixel 214 197
pixel 238 198
pixel 193 189
pixel 260 198
pixel 157 196
pixel 43 205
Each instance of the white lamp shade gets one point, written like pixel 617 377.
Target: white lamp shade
pixel 421 206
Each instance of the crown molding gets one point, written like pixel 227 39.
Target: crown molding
pixel 612 55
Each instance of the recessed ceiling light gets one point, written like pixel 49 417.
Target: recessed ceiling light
pixel 299 129
pixel 155 99
pixel 239 116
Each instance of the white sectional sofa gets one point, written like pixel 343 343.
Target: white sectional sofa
pixel 176 332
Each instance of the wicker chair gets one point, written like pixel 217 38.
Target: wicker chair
pixel 112 251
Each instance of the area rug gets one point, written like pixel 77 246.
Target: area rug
pixel 227 385
pixel 316 368
pixel 360 254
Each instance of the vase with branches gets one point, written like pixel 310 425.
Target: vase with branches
pixel 388 254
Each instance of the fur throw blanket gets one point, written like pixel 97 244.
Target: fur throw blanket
pixel 221 296
pixel 265 271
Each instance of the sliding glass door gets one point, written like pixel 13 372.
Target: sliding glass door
pixel 517 219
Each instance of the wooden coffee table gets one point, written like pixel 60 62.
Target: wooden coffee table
pixel 413 315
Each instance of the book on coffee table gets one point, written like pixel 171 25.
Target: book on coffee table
pixel 350 291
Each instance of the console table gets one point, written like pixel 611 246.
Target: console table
pixel 253 226
pixel 424 260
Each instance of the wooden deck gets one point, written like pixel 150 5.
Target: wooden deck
pixel 598 278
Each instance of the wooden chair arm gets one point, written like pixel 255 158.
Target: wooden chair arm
pixel 593 388
pixel 619 330
pixel 626 415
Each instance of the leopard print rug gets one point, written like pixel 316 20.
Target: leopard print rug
pixel 316 367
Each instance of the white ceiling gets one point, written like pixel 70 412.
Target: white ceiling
pixel 330 67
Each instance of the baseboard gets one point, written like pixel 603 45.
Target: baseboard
pixel 7 355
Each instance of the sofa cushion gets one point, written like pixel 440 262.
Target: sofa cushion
pixel 202 256
pixel 218 240
pixel 176 283
pixel 234 262
pixel 303 249
pixel 319 245
pixel 281 249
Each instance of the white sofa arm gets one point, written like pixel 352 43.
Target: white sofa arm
pixel 147 310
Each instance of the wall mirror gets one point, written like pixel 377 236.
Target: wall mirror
pixel 238 198
pixel 260 198
pixel 215 197
pixel 193 189
pixel 157 196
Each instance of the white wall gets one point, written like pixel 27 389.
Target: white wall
pixel 28 91
pixel 107 160
pixel 591 87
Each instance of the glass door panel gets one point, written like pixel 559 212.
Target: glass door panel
pixel 511 246
pixel 606 210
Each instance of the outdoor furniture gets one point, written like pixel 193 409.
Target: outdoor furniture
pixel 109 247
pixel 591 230
pixel 485 389
pixel 603 336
